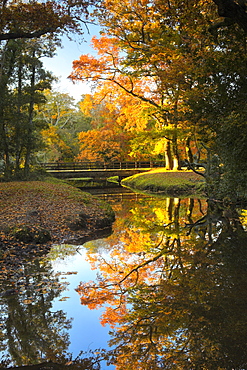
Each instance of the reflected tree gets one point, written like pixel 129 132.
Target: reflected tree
pixel 29 329
pixel 90 360
pixel 179 303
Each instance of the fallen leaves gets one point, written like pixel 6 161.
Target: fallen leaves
pixel 30 211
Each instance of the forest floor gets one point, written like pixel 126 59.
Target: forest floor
pixel 171 183
pixel 36 214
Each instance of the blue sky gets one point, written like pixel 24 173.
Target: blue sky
pixel 61 64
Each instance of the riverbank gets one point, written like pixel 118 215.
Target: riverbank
pixel 43 212
pixel 171 183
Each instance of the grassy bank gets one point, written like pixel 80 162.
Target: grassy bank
pixel 42 211
pixel 172 183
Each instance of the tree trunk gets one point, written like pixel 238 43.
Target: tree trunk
pixel 7 63
pixel 189 154
pixel 168 156
pixel 18 121
pixel 30 121
pixel 176 157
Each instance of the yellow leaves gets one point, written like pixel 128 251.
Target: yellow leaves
pixel 135 240
pixel 86 105
pixel 53 139
pixel 159 147
pixel 243 217
pixel 162 215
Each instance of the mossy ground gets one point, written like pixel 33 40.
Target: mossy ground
pixel 172 183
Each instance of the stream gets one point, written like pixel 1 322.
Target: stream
pixel 166 290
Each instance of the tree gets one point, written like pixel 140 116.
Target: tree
pixel 164 54
pixel 102 145
pixel 110 112
pixel 22 20
pixel 150 59
pixel 23 80
pixel 63 120
pixel 108 69
pixel 218 110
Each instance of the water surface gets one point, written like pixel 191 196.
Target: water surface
pixel 170 285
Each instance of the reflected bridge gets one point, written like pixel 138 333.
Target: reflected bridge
pixel 99 170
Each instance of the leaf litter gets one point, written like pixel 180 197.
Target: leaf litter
pixel 34 208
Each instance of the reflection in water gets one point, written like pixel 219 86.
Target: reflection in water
pixel 175 296
pixel 172 283
pixel 30 331
pixel 34 325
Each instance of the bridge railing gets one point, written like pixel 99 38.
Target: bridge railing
pixel 77 166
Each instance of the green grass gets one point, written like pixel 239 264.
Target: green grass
pixel 168 182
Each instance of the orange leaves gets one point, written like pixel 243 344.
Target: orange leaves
pixel 99 145
pixel 87 67
pixel 106 67
pixel 112 316
pixel 106 45
pixel 116 117
pixel 94 296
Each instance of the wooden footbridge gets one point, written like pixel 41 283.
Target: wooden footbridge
pixel 99 170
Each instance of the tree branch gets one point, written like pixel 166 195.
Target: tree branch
pixel 233 12
pixel 26 35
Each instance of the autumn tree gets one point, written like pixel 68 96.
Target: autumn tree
pixel 170 48
pixel 109 138
pixel 62 119
pixel 150 59
pixel 129 115
pixel 108 70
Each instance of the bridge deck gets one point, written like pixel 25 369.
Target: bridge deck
pixel 73 166
pixel 99 170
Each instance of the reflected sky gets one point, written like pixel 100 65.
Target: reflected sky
pixel 86 332
pixel 187 296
